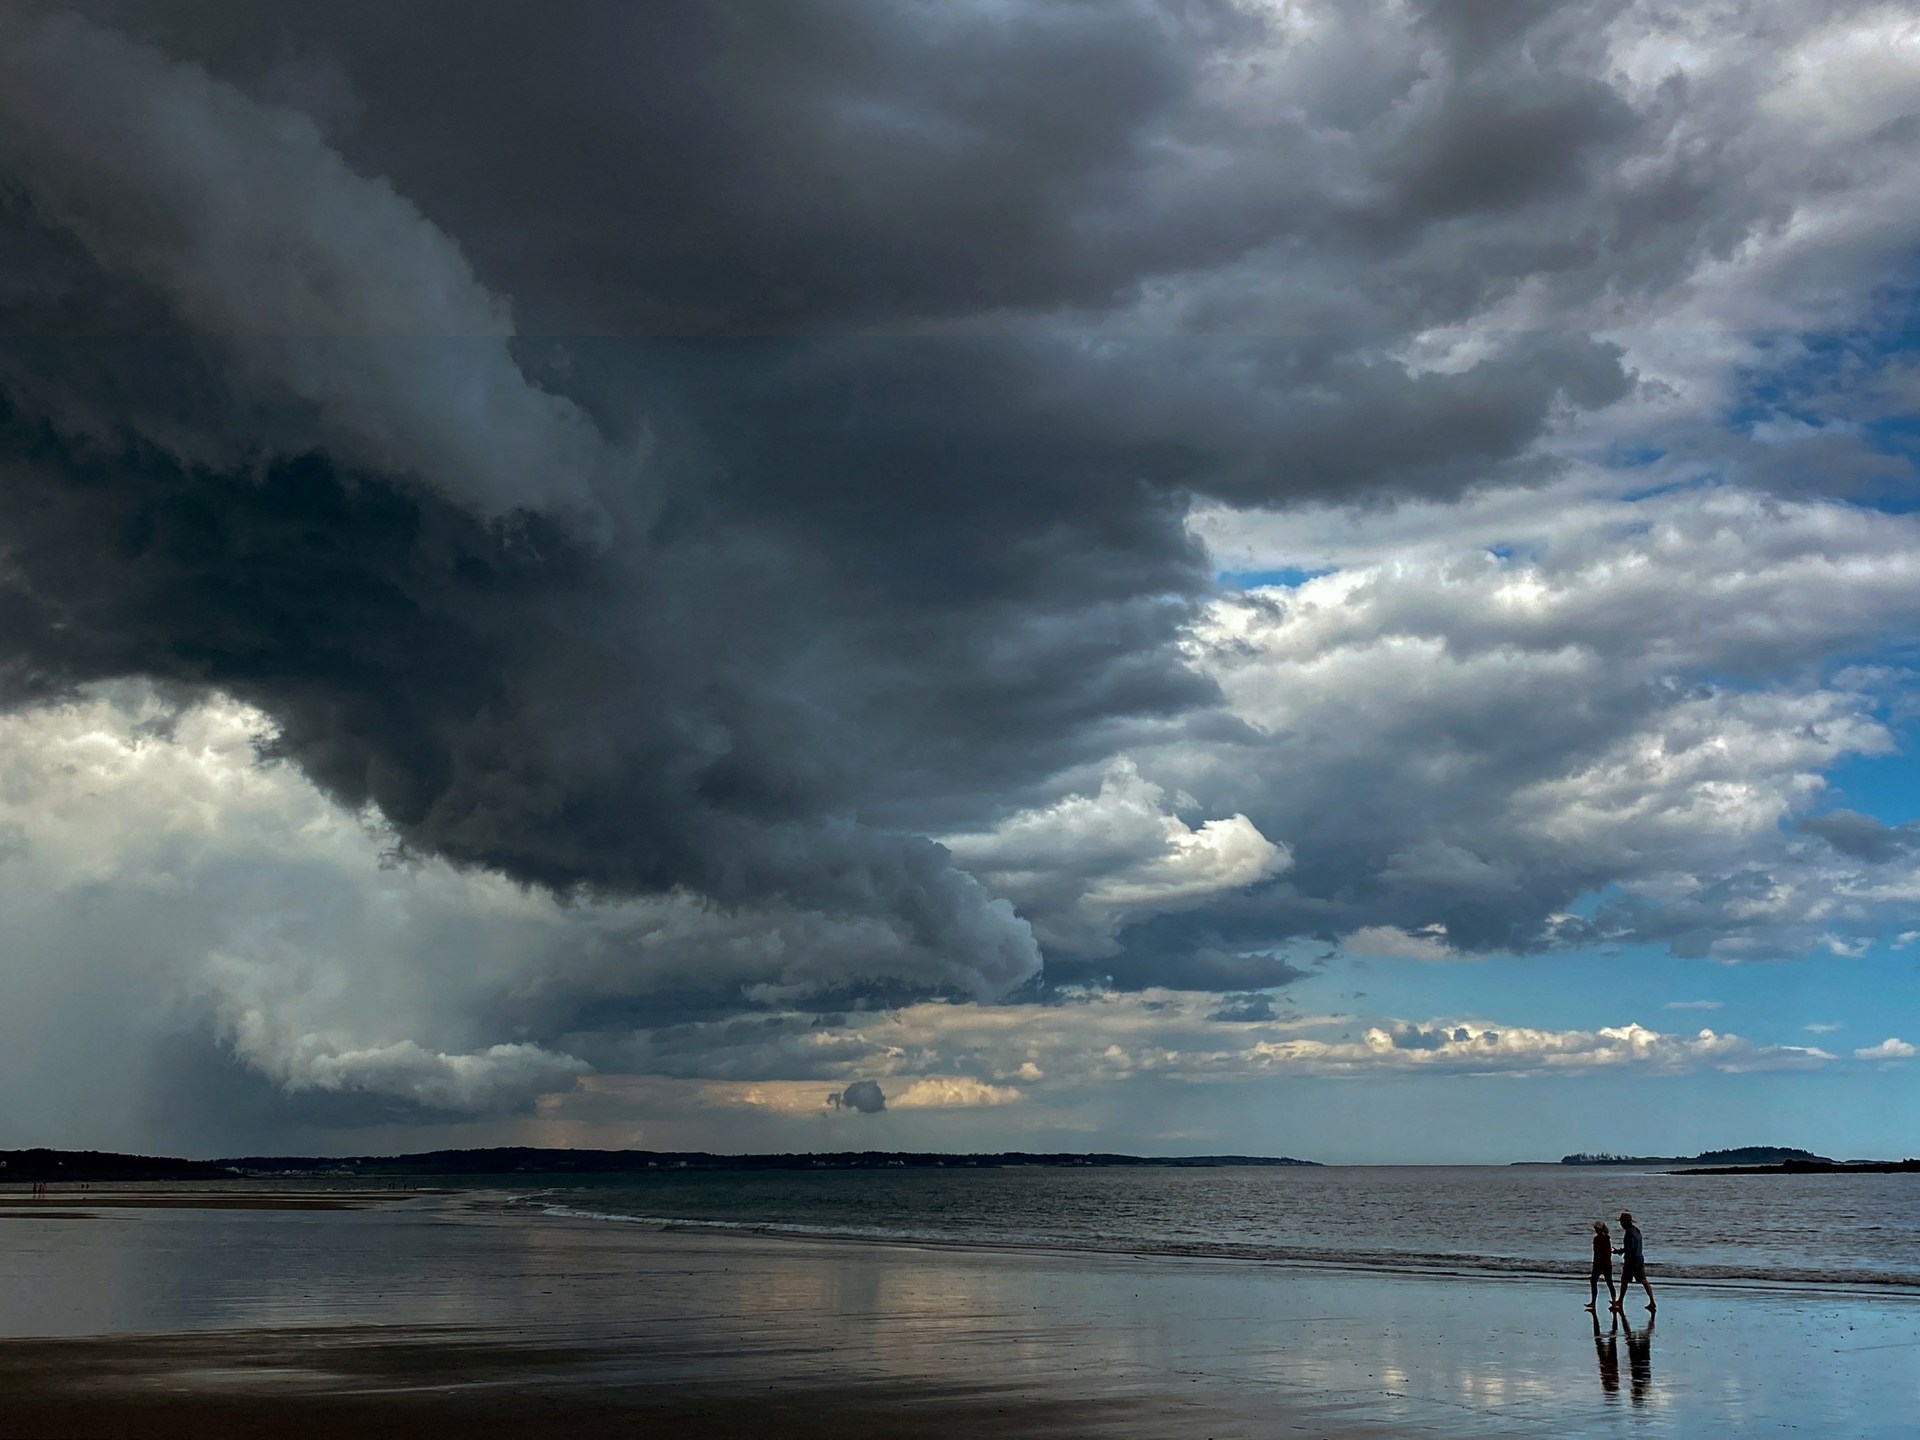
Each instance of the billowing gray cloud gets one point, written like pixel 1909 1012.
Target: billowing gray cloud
pixel 1457 749
pixel 1862 836
pixel 755 474
pixel 1251 1009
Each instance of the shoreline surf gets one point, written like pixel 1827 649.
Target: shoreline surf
pixel 1866 1283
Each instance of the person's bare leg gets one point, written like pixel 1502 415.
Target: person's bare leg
pixel 1649 1289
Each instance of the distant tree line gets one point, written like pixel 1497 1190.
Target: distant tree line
pixel 93 1166
pixel 1744 1155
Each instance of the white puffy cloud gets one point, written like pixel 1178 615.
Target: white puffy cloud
pixel 972 1054
pixel 1461 739
pixel 163 883
pixel 497 1080
pixel 1631 674
pixel 1086 864
pixel 201 891
pixel 946 1092
pixel 195 888
pixel 1891 1048
pixel 640 1095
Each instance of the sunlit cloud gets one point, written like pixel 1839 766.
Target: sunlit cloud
pixel 1892 1048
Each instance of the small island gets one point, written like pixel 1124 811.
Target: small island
pixel 1717 1159
pixel 1750 1160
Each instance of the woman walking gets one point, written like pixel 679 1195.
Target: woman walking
pixel 1602 1267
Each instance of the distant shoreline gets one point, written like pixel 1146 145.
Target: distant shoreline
pixel 1813 1167
pixel 61 1167
pixel 1749 1155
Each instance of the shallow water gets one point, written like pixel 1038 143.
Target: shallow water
pixel 1270 1350
pixel 1804 1229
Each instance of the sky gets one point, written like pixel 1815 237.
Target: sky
pixel 1173 576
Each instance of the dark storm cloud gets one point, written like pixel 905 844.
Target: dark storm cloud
pixel 711 447
pixel 694 167
pixel 962 561
pixel 1174 951
pixel 863 1097
pixel 689 167
pixel 445 671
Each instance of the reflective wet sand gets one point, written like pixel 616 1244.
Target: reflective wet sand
pixel 455 1316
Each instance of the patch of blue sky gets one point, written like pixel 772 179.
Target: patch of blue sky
pixel 1898 438
pixel 1767 1002
pixel 1852 384
pixel 1623 456
pixel 1692 480
pixel 1886 787
pixel 1287 577
pixel 1589 904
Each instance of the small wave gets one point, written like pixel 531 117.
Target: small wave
pixel 763 1227
pixel 1395 1261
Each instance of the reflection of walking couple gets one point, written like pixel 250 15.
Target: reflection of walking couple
pixel 1633 1264
pixel 1639 1357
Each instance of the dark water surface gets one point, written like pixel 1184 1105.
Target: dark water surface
pixel 1821 1230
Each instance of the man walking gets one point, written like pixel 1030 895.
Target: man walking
pixel 1633 1264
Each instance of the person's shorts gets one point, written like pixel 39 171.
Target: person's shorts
pixel 1633 1270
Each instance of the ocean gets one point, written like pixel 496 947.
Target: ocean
pixel 1429 1302
pixel 1812 1230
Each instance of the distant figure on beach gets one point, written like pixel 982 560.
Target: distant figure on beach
pixel 1602 1268
pixel 1633 1262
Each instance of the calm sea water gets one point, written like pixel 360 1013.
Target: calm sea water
pixel 1812 1229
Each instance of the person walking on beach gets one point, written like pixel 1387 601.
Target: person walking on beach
pixel 1602 1266
pixel 1633 1263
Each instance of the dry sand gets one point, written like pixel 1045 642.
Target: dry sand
pixel 438 1316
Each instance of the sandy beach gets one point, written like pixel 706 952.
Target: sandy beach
pixel 17 1206
pixel 457 1315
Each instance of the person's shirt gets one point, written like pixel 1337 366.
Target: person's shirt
pixel 1602 1251
pixel 1630 1242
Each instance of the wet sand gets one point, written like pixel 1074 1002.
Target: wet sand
pixel 457 1317
pixel 67 1204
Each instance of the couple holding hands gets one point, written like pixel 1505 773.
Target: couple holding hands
pixel 1633 1263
